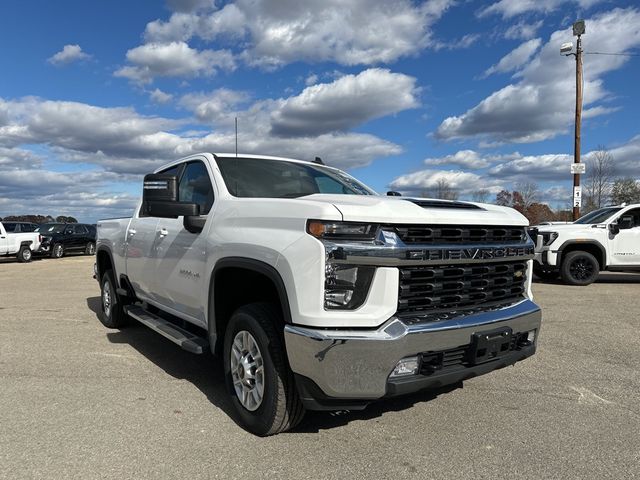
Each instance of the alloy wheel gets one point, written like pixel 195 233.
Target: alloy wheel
pixel 247 370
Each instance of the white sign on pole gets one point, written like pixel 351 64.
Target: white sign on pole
pixel 579 168
pixel 577 196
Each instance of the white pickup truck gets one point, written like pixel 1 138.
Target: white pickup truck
pixel 605 239
pixel 316 292
pixel 20 245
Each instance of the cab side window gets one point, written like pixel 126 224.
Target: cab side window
pixel 195 187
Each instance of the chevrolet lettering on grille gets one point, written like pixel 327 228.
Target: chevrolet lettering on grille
pixel 469 253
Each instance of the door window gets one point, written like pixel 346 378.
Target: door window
pixel 195 187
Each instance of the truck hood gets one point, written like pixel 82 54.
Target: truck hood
pixel 379 209
pixel 571 227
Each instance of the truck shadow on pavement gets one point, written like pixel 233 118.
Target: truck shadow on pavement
pixel 205 372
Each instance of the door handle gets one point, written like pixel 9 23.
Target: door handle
pixel 132 232
pixel 164 232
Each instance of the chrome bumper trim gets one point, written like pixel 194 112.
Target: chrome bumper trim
pixel 355 364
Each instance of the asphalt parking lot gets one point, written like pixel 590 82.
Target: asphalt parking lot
pixel 80 401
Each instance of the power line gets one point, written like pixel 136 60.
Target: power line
pixel 615 54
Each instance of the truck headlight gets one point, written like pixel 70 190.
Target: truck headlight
pixel 346 286
pixel 342 230
pixel 548 238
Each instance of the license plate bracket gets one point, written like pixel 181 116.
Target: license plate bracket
pixel 489 345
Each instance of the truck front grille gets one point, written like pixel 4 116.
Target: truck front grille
pixel 453 234
pixel 451 287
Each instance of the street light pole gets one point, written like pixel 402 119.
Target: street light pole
pixel 577 197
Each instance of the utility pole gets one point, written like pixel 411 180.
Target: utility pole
pixel 577 192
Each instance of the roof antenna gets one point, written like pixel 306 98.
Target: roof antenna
pixel 236 137
pixel 319 161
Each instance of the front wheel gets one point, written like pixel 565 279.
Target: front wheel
pixel 90 249
pixel 24 255
pixel 57 251
pixel 579 268
pixel 258 377
pixel 113 315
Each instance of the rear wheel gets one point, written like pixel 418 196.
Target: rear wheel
pixel 90 248
pixel 579 268
pixel 24 254
pixel 113 315
pixel 545 273
pixel 258 377
pixel 57 251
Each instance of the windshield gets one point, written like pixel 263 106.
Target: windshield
pixel 50 228
pixel 598 216
pixel 262 178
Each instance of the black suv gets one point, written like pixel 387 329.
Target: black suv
pixel 60 238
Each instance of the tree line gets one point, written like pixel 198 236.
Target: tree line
pixel 600 188
pixel 39 219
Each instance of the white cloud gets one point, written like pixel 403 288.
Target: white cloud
pixel 69 54
pixel 523 30
pixel 345 103
pixel 359 32
pixel 516 58
pixel 465 183
pixel 158 96
pixel 512 8
pixel 463 158
pixel 13 158
pixel 216 106
pixel 540 105
pixel 175 59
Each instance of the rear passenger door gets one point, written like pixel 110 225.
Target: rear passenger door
pixel 180 275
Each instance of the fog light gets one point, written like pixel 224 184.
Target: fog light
pixel 406 366
pixel 531 336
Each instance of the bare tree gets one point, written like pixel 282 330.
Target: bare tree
pixel 599 181
pixel 481 196
pixel 528 194
pixel 444 190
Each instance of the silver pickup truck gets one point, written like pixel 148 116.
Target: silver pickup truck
pixel 316 292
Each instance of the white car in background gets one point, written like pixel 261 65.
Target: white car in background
pixel 20 245
pixel 605 239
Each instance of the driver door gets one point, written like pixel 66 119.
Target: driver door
pixel 625 246
pixel 180 272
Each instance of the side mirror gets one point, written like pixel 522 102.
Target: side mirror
pixel 160 198
pixel 625 222
pixel 614 229
pixel 391 193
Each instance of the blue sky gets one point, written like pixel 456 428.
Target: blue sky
pixel 401 93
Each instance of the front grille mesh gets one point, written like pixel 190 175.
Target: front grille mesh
pixel 428 288
pixel 453 234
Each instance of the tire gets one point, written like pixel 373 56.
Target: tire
pixel 113 315
pixel 24 254
pixel 57 251
pixel 90 249
pixel 545 273
pixel 279 407
pixel 579 268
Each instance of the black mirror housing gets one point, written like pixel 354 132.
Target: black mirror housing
pixel 614 229
pixel 392 193
pixel 160 198
pixel 625 222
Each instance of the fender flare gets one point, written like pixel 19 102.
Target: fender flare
pixel 249 264
pixel 107 250
pixel 568 243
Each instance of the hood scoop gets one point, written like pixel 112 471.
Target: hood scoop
pixel 443 204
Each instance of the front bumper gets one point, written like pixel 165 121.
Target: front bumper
pixel 353 367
